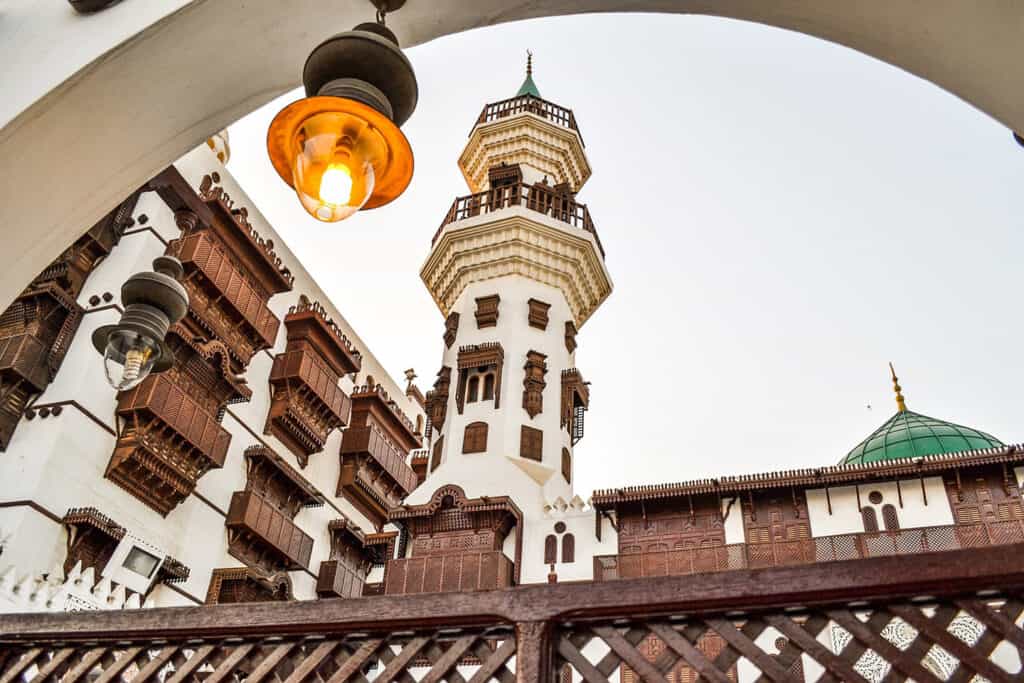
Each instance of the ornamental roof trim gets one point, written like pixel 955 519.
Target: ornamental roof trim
pixel 819 476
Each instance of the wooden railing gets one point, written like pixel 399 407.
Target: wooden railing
pixel 539 198
pixel 806 551
pixel 895 618
pixel 528 104
pixel 444 573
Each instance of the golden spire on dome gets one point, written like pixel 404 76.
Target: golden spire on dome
pixel 901 404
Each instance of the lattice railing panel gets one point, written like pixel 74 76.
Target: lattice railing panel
pixel 455 656
pixel 956 640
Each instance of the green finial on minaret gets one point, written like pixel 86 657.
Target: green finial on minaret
pixel 528 87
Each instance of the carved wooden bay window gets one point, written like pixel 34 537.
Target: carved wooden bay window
pixel 93 539
pixel 171 433
pixel 575 402
pixel 487 311
pixel 478 361
pixel 261 530
pixel 306 402
pixel 37 328
pixel 475 438
pixel 437 399
pixel 374 473
pixel 538 314
pixel 353 555
pixel 246 584
pixel 455 544
pixel 533 383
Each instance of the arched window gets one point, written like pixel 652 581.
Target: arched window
pixel 474 439
pixel 472 389
pixel 890 519
pixel 568 548
pixel 488 387
pixel 550 549
pixel 870 519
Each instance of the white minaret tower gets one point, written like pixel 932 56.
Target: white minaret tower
pixel 517 268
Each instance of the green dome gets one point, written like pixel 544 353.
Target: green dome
pixel 911 435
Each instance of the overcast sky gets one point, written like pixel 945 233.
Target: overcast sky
pixel 782 216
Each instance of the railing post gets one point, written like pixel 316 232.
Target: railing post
pixel 534 652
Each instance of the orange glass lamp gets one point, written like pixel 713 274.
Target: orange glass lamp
pixel 340 148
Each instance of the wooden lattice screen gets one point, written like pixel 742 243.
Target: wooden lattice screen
pixel 944 616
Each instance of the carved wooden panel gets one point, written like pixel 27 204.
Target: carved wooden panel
pixel 677 526
pixel 435 456
pixel 475 438
pixel 245 584
pixel 531 443
pixel 462 572
pixel 533 383
pixel 437 399
pixel 487 311
pixel 306 402
pixel 538 314
pixel 451 328
pixel 570 336
pixel 771 520
pixel 475 359
pixel 985 502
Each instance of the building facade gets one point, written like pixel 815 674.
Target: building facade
pixel 277 460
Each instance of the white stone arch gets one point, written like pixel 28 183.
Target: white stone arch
pixel 94 106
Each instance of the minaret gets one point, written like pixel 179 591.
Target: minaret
pixel 517 269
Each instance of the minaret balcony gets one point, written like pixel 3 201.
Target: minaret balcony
pixel 537 197
pixel 529 104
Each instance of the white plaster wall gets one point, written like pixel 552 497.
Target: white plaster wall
pixel 59 461
pixel 732 512
pixel 579 521
pixel 486 473
pixel 845 517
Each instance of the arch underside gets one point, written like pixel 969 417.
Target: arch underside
pixel 135 87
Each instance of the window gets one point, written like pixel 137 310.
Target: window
pixel 435 459
pixel 531 443
pixel 890 519
pixel 474 439
pixel 568 548
pixel 473 389
pixel 550 549
pixel 488 387
pixel 567 465
pixel 141 562
pixel 870 519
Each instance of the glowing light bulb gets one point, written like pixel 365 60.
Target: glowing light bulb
pixel 129 358
pixel 336 185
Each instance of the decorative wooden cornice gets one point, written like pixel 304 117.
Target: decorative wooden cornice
pixel 533 383
pixel 523 242
pixel 836 475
